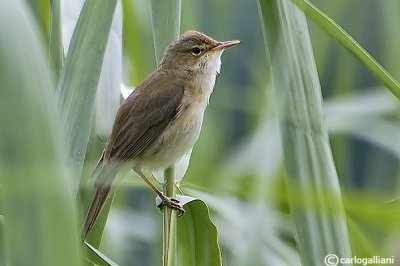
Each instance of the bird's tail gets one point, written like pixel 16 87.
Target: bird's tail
pixel 98 201
pixel 103 176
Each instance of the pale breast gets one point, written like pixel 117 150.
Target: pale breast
pixel 176 140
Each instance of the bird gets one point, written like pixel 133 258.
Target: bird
pixel 161 119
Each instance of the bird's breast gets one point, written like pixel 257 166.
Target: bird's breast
pixel 177 139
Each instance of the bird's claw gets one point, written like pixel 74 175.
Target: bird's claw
pixel 172 203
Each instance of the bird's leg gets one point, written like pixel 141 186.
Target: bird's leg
pixel 165 201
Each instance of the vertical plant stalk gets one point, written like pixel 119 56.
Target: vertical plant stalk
pixel 169 221
pixel 314 192
pixel 166 18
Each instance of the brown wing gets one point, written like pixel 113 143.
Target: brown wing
pixel 141 118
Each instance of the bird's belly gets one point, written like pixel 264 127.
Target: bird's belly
pixel 176 140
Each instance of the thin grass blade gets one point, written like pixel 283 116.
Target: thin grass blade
pixel 98 258
pixel 348 42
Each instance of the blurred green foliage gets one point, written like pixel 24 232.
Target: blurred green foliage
pixel 238 156
pixel 236 166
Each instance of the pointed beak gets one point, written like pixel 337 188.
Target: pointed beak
pixel 224 45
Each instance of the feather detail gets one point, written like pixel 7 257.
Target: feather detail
pixel 94 209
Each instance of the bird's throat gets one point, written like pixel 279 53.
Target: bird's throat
pixel 203 82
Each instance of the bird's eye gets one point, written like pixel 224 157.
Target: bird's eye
pixel 195 50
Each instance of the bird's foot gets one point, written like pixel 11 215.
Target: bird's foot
pixel 171 203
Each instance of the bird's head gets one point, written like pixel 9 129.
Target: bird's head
pixel 195 53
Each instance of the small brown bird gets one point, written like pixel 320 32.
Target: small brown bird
pixel 161 120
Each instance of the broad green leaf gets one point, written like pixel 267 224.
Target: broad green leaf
pixel 76 89
pixel 96 257
pixel 348 42
pixel 313 187
pixel 197 237
pixel 36 196
pixel 106 105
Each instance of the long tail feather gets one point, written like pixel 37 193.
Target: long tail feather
pixel 94 209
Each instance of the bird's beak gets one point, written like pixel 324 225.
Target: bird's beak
pixel 224 45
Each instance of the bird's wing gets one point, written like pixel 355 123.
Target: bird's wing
pixel 141 118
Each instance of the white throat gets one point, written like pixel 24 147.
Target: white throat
pixel 205 80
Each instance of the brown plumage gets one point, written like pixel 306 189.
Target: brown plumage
pixel 161 120
pixel 140 119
